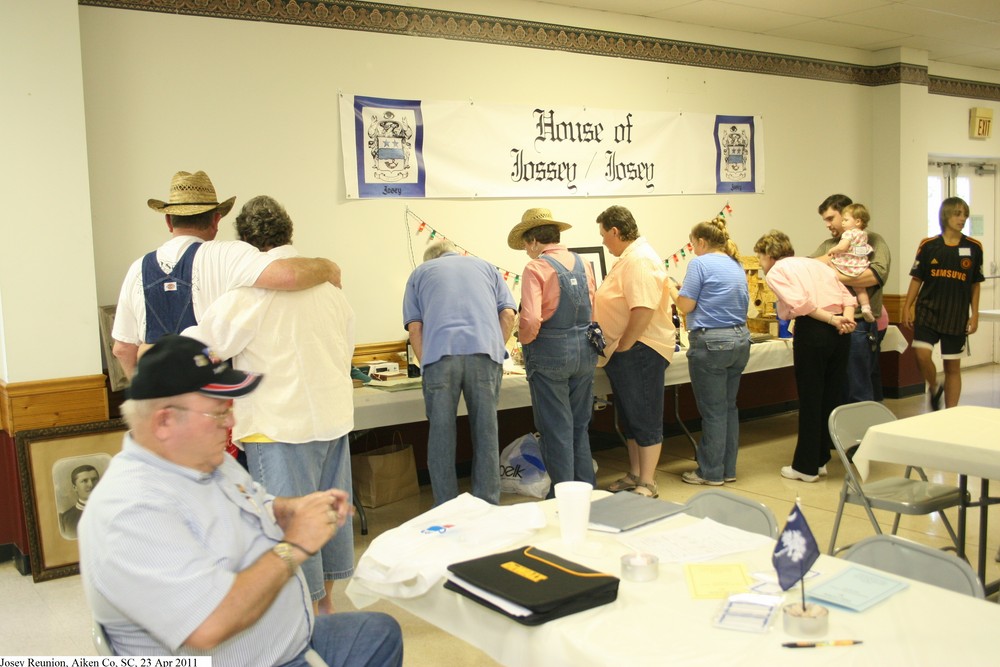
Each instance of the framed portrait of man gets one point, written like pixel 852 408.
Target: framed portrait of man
pixel 59 468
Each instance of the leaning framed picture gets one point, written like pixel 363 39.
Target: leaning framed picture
pixel 116 374
pixel 594 256
pixel 59 468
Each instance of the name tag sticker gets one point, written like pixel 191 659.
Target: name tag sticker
pixel 965 252
pixel 169 287
pixel 572 281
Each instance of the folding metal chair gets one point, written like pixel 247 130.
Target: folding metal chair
pixel 733 510
pixel 101 643
pixel 916 561
pixel 899 495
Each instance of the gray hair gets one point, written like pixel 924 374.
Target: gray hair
pixel 137 411
pixel 437 249
pixel 264 224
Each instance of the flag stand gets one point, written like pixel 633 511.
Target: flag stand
pixel 794 554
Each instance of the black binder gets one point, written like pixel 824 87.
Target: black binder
pixel 548 586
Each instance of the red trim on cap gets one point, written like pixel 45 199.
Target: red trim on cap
pixel 250 379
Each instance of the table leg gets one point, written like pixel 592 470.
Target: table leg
pixel 963 489
pixel 984 505
pixel 360 512
pixel 677 414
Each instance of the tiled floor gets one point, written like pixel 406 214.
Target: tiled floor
pixel 52 618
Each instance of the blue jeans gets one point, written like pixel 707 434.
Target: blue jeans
pixel 637 382
pixel 477 378
pixel 864 378
pixel 299 469
pixel 346 638
pixel 560 371
pixel 716 359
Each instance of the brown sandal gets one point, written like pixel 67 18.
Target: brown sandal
pixel 644 489
pixel 626 483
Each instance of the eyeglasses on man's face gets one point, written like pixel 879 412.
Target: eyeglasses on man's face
pixel 219 417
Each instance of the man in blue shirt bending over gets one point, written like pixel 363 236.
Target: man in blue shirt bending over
pixel 459 313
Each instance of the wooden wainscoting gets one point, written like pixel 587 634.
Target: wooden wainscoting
pixel 47 403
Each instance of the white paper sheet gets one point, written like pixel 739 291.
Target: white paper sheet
pixel 705 540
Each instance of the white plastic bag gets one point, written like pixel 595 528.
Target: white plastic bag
pixel 522 470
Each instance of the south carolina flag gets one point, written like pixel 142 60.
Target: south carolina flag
pixel 796 550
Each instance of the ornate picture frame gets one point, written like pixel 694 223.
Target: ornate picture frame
pixel 53 463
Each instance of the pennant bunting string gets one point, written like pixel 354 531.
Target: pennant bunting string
pixel 673 259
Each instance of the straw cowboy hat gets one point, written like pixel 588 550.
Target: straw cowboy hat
pixel 533 217
pixel 191 194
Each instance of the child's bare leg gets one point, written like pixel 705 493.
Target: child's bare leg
pixel 866 308
pixel 952 382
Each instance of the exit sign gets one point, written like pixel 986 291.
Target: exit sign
pixel 980 123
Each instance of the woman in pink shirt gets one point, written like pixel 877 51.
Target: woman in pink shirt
pixel 823 308
pixel 557 297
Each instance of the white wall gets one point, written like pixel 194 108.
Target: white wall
pixel 256 106
pixel 48 320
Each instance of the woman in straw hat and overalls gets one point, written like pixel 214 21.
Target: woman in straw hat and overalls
pixel 557 296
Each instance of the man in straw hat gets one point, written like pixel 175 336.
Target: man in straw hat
pixel 168 289
pixel 557 297
pixel 183 554
pixel 459 313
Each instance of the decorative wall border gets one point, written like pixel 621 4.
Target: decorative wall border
pixel 418 22
pixel 939 85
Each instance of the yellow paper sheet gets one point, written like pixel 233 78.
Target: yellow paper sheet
pixel 716 580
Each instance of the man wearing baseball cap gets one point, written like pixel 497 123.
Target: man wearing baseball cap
pixel 168 289
pixel 182 553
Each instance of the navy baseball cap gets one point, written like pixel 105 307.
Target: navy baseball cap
pixel 178 365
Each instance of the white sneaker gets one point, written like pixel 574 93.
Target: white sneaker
pixel 822 471
pixel 789 472
pixel 692 477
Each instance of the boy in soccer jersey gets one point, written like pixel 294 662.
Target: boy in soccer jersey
pixel 946 278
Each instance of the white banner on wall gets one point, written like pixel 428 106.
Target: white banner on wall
pixel 429 149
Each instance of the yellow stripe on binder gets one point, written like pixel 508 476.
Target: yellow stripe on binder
pixel 523 571
pixel 559 567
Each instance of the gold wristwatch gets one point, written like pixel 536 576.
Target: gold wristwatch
pixel 284 551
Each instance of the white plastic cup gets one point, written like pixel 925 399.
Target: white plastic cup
pixel 573 501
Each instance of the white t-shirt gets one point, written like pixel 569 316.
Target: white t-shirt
pixel 219 266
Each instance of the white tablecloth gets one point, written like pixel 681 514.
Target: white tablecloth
pixel 376 407
pixel 963 440
pixel 659 623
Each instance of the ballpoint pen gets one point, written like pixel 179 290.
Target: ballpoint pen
pixel 835 642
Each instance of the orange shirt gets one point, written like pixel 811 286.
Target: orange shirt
pixel 636 280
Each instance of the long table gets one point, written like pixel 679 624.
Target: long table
pixel 377 407
pixel 960 440
pixel 659 622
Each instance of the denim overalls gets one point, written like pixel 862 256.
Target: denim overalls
pixel 560 367
pixel 169 308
